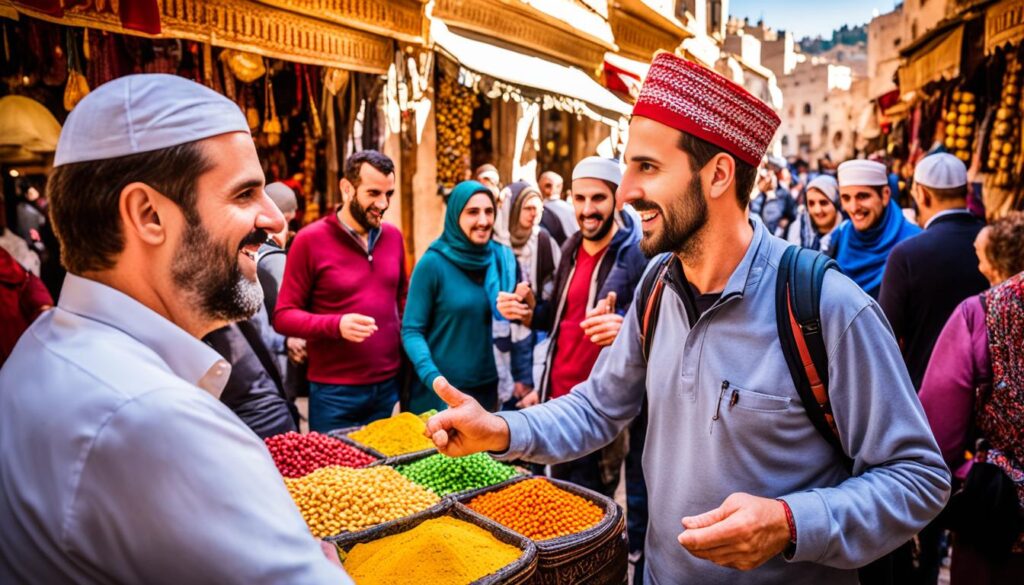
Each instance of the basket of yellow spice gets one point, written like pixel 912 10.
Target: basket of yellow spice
pixel 580 535
pixel 400 439
pixel 448 545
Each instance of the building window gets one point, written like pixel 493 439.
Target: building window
pixel 807 109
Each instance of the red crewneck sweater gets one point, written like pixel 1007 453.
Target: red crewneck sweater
pixel 328 274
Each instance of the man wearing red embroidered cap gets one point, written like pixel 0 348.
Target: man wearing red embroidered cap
pixel 738 476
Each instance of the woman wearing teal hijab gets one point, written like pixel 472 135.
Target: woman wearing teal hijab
pixel 446 328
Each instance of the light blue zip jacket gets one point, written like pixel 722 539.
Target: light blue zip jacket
pixel 762 441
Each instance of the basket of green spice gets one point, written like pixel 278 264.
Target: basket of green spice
pixel 448 544
pixel 580 535
pixel 446 475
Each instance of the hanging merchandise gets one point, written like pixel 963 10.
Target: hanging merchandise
pixel 314 112
pixel 77 87
pixel 335 80
pixel 245 66
pixel 271 123
pixel 455 104
pixel 229 83
pixel 1004 146
pixel 959 119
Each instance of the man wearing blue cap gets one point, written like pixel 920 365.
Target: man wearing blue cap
pixel 118 462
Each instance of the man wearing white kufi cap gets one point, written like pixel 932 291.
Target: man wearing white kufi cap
pixel 120 464
pixel 593 286
pixel 862 244
pixel 927 276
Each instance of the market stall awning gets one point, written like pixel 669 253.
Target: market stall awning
pixel 934 57
pixel 559 85
pixel 1004 25
pixel 624 75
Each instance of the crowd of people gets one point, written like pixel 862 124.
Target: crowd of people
pixel 586 327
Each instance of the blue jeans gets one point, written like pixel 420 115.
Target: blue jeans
pixel 335 406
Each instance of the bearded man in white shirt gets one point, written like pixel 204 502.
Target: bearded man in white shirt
pixel 118 463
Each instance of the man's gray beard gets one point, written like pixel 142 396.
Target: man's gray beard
pixel 214 284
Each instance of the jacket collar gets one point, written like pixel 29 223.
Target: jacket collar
pixel 951 215
pixel 187 357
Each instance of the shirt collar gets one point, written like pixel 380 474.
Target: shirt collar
pixel 371 236
pixel 748 271
pixel 185 356
pixel 945 213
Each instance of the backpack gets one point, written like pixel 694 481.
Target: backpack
pixel 801 274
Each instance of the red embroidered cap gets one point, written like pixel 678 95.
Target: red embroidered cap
pixel 696 100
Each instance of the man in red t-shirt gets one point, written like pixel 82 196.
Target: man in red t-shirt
pixel 601 266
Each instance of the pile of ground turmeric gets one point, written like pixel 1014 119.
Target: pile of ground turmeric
pixel 398 435
pixel 441 551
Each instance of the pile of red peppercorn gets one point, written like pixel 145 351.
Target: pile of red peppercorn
pixel 297 455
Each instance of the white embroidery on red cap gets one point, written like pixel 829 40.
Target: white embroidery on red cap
pixel 720 111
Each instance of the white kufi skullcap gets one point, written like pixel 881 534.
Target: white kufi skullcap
pixel 143 113
pixel 867 173
pixel 941 171
pixel 596 167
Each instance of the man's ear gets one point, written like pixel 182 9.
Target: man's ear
pixel 347 190
pixel 720 175
pixel 140 207
pixel 886 195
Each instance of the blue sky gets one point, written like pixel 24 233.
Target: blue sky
pixel 809 17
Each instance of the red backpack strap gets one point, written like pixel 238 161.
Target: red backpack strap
pixel 797 313
pixel 648 302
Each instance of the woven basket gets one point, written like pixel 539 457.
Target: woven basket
pixel 598 555
pixel 520 572
pixel 342 434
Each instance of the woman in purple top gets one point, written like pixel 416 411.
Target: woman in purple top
pixel 979 348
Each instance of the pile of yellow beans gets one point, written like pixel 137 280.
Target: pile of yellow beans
pixel 341 499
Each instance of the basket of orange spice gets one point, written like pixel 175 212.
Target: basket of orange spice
pixel 580 535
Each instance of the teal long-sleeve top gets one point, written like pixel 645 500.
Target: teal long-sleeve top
pixel 446 328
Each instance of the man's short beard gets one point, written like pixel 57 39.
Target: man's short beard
pixel 602 230
pixel 682 224
pixel 358 213
pixel 211 281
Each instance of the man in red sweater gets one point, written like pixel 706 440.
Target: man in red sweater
pixel 343 292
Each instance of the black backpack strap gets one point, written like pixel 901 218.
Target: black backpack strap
pixel 797 314
pixel 648 302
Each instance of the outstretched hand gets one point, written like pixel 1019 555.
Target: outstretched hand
pixel 465 427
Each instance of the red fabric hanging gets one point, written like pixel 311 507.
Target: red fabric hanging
pixel 140 15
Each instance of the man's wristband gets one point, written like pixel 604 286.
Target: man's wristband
pixel 791 523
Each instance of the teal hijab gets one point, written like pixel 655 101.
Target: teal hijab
pixel 497 261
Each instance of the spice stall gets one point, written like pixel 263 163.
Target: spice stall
pixel 391 502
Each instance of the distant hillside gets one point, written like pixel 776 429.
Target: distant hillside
pixel 847 35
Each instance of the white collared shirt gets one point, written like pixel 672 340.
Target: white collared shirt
pixel 118 463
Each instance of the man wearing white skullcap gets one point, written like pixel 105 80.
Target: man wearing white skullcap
pixel 862 244
pixel 600 267
pixel 120 464
pixel 927 276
